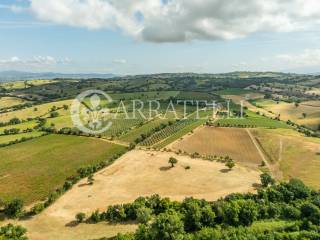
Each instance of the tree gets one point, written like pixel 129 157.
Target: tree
pixel 266 180
pixel 230 164
pixel 173 161
pixel 167 226
pixel 14 209
pixel 193 215
pixel 248 212
pixel 54 114
pixel 143 214
pixel 80 217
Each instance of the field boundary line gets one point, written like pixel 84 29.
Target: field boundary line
pixel 258 148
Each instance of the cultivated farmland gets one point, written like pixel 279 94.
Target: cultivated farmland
pixel 39 166
pixel 235 143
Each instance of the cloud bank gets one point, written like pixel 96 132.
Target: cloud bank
pixel 182 20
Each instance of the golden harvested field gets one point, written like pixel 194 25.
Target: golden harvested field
pixel 292 154
pixel 137 173
pixel 288 111
pixel 234 142
pixel 6 102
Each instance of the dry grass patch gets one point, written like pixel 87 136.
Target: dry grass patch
pixel 293 154
pixel 6 102
pixel 233 142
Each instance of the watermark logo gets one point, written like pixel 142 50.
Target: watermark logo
pixel 89 112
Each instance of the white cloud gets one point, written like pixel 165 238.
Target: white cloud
pixel 181 20
pixel 36 61
pixel 309 57
pixel 120 61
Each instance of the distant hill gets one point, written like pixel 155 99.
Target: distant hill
pixel 7 76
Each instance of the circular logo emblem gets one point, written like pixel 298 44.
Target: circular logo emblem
pixel 89 112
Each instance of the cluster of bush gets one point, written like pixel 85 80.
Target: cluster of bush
pixel 228 218
pixel 11 232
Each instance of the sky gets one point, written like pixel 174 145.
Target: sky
pixel 154 36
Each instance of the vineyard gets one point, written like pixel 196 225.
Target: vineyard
pixel 135 133
pixel 179 134
pixel 167 132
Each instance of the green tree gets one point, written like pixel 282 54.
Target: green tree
pixel 173 161
pixel 230 164
pixel 167 226
pixel 144 214
pixel 266 179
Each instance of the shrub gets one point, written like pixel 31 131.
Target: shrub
pixel 14 209
pixel 38 208
pixel 80 217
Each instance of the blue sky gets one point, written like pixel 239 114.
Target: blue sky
pixel 42 36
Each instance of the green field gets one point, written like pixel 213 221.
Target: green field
pixel 11 138
pixel 233 91
pixel 37 167
pixel 159 95
pixel 252 120
pixel 201 96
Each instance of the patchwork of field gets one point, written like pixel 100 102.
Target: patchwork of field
pixel 232 142
pixel 35 111
pixel 37 167
pixel 289 111
pixel 137 173
pixel 25 84
pixel 292 154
